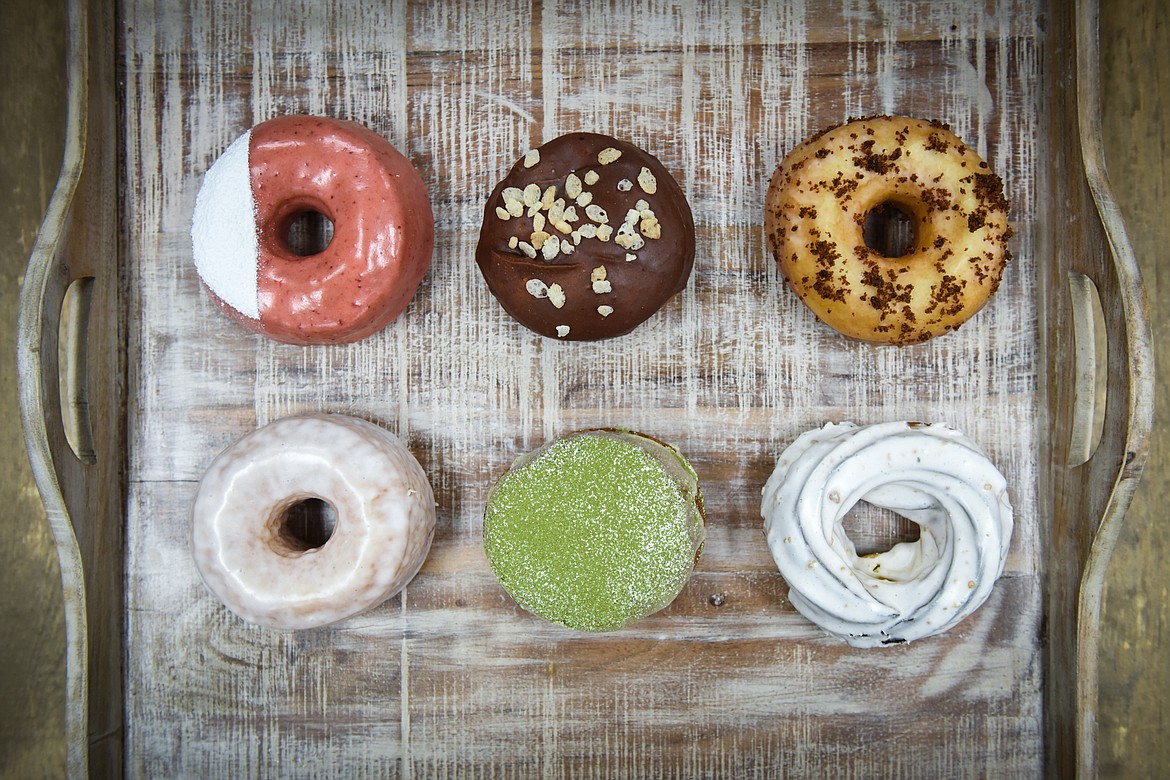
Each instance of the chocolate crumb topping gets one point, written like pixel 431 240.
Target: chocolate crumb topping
pixel 989 191
pixel 825 252
pixel 976 219
pixel 823 287
pixel 877 162
pixel 936 199
pixel 935 143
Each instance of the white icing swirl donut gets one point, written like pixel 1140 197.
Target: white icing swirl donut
pixel 385 519
pixel 930 474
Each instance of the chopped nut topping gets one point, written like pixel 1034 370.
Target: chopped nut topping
pixel 557 212
pixel 625 185
pixel 538 238
pixel 602 287
pixel 556 295
pixel 605 311
pixel 628 239
pixel 596 213
pixel 647 181
pixel 604 232
pixel 502 213
pixel 629 257
pixel 551 248
pixel 531 157
pixel 591 177
pixel 651 228
pixel 597 274
pixel 562 331
pixel 512 242
pixel 608 155
pixel 584 199
pixel 536 288
pixel 572 186
pixel 514 201
pixel 527 249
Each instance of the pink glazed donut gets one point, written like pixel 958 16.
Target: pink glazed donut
pixel 273 175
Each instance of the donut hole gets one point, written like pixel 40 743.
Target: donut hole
pixel 308 233
pixel 874 530
pixel 306 525
pixel 889 229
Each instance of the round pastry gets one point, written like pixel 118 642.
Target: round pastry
pixel 586 238
pixel 930 474
pixel 890 229
pixel 596 529
pixel 306 171
pixel 269 572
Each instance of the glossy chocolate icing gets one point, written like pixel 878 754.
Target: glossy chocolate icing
pixel 632 290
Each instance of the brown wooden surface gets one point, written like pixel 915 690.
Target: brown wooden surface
pixel 1135 664
pixel 451 676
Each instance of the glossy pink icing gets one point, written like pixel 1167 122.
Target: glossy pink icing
pixel 383 229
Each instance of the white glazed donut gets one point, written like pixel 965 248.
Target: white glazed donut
pixel 930 474
pixel 385 519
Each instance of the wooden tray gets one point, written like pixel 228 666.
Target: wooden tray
pixel 132 382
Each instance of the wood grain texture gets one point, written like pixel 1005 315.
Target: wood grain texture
pixel 451 678
pixel 1135 665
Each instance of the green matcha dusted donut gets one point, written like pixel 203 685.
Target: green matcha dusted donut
pixel 596 529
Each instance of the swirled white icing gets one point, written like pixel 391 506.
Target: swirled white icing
pixel 930 474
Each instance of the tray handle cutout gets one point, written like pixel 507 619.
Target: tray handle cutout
pixel 73 368
pixel 1091 359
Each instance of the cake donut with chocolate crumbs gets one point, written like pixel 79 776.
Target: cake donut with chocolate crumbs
pixel 586 238
pixel 596 529
pixel 890 229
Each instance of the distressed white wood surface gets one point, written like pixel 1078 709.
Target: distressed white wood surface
pixel 451 678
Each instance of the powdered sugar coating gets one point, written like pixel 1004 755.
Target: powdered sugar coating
pixel 224 238
pixel 385 521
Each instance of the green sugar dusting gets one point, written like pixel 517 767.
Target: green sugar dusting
pixel 592 533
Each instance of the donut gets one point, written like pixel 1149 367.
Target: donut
pixel 293 170
pixel 254 559
pixel 890 229
pixel 596 529
pixel 586 238
pixel 930 474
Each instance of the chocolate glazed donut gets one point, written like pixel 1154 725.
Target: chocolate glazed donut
pixel 586 238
